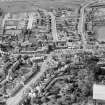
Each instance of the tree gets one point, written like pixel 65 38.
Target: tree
pixel 6 58
pixel 50 48
pixel 29 32
pixel 25 57
pixel 7 67
pixel 1 12
pixel 24 33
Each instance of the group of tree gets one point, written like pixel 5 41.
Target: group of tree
pixel 80 83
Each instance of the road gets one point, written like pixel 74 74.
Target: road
pixel 18 97
pixel 53 27
pixel 30 21
pixel 5 18
pixel 82 20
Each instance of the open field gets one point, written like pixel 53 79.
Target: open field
pixel 29 5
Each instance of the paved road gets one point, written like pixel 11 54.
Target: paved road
pixel 30 21
pixel 18 97
pixel 53 27
pixel 5 18
pixel 81 25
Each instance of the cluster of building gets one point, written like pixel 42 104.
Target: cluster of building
pixel 17 71
pixel 67 26
pixel 39 28
pixel 27 39
pixel 56 67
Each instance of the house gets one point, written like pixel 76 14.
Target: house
pixel 61 44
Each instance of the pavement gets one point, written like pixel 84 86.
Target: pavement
pixel 18 97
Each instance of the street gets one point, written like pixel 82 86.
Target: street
pixel 81 24
pixel 53 27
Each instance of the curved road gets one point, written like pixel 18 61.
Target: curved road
pixel 54 78
pixel 81 23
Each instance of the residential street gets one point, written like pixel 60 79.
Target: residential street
pixel 81 24
pixel 53 25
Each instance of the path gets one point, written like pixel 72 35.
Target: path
pixel 53 27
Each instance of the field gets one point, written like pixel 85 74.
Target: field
pixel 29 5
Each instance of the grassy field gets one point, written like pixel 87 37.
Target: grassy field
pixel 29 5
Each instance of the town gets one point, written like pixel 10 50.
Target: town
pixel 52 56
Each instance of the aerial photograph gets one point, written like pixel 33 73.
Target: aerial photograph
pixel 52 52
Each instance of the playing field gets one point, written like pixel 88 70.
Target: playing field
pixel 29 5
pixel 101 34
